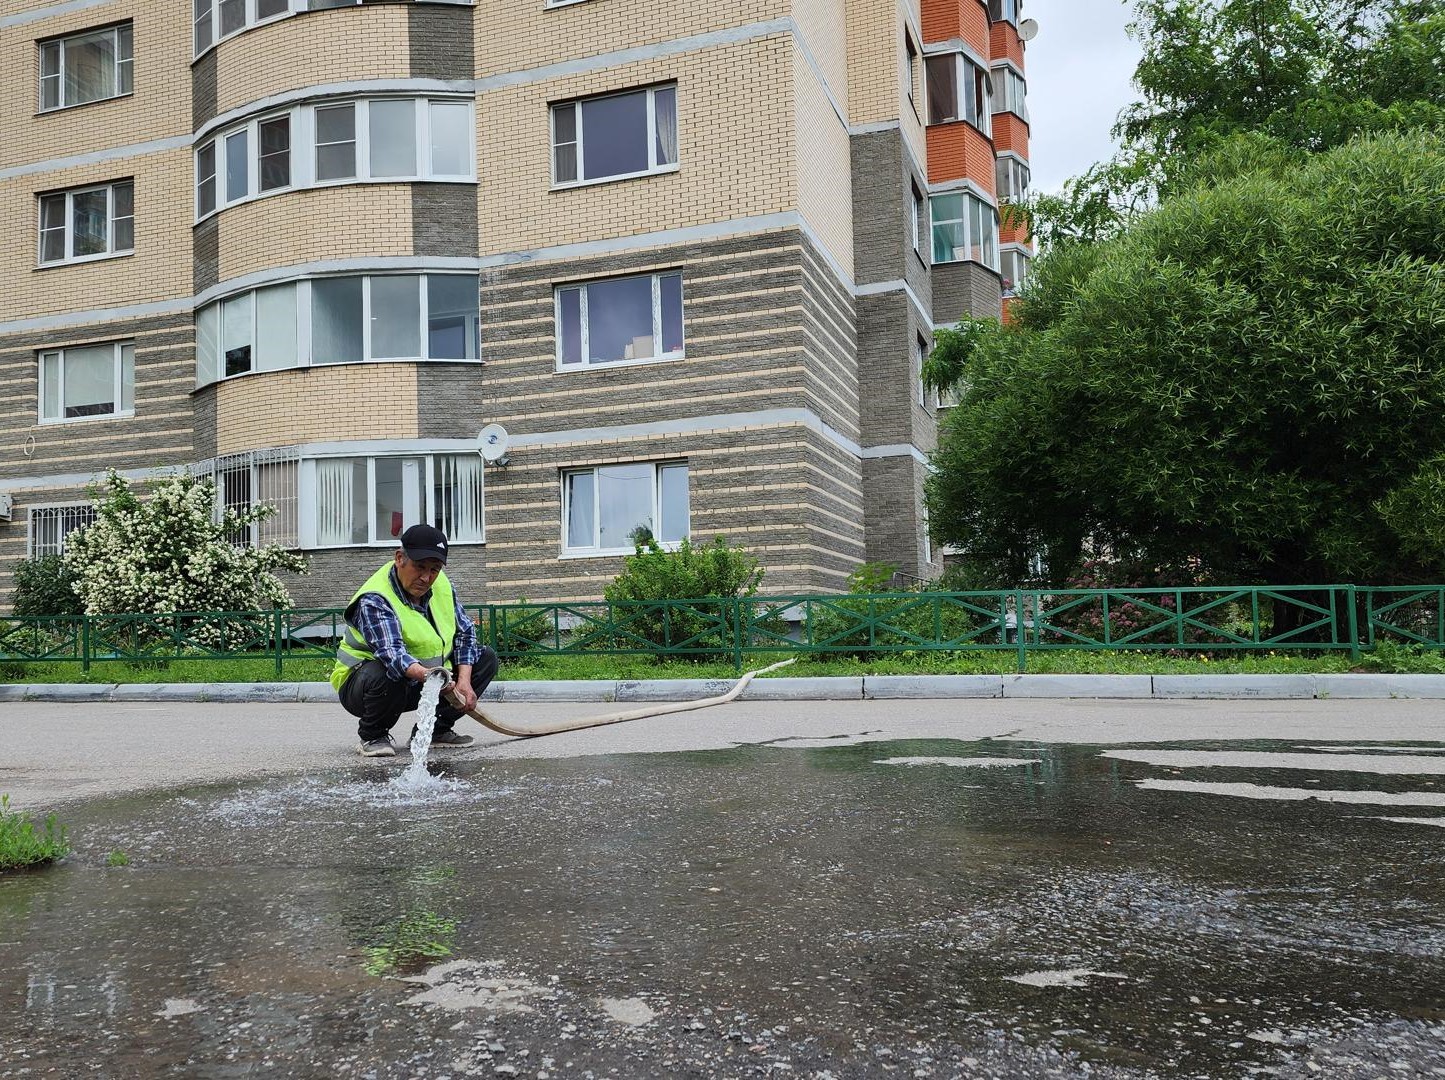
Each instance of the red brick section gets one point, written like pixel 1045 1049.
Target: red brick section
pixel 958 150
pixel 1010 133
pixel 1019 234
pixel 944 20
pixel 1004 43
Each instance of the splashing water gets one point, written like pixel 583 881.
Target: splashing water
pixel 416 778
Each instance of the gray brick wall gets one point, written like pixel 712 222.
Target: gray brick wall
pixel 164 356
pixel 441 41
pixel 444 220
pixel 965 288
pixel 336 573
pixel 206 252
pixel 204 91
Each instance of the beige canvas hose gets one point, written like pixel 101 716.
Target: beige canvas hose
pixel 487 720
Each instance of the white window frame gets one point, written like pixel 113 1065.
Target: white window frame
pixel 1017 177
pixel 599 552
pixel 920 357
pixel 653 168
pixel 65 513
pixel 965 73
pixel 304 146
pixel 1010 92
pixel 583 287
pixel 916 204
pixel 424 494
pixel 303 326
pixel 1008 11
pixel 124 66
pixel 122 350
pixel 1022 257
pixel 111 252
pixel 212 11
pixel 969 198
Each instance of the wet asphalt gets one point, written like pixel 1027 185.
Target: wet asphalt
pixel 801 905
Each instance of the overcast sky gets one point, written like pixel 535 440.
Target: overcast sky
pixel 1079 68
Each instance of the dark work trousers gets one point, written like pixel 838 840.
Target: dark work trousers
pixel 377 700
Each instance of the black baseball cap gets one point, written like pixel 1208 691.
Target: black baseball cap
pixel 421 542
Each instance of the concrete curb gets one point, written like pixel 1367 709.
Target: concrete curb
pixel 829 688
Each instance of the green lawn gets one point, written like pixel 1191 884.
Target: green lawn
pixel 1387 658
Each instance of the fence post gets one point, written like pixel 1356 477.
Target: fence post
pixel 1354 623
pixel 738 634
pixel 278 619
pixel 85 643
pixel 1019 630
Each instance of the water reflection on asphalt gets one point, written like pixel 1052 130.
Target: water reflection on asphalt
pixel 924 908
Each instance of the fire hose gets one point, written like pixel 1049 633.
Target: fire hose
pixel 530 731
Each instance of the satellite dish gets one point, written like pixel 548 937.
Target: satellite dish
pixel 1028 29
pixel 492 444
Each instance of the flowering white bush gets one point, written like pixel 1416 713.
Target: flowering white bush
pixel 167 553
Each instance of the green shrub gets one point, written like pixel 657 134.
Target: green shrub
pixel 21 844
pixel 652 576
pixel 45 586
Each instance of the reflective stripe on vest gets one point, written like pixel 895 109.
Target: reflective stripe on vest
pixel 430 644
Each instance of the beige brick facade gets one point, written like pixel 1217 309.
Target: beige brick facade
pixel 313 49
pixel 736 151
pixel 799 136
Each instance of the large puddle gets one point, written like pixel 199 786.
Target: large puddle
pixel 829 908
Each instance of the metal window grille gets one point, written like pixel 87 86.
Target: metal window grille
pixel 50 525
pixel 254 478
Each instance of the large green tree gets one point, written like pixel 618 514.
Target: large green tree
pixel 1253 373
pixel 1309 74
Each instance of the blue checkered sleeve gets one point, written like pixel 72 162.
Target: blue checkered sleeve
pixel 464 648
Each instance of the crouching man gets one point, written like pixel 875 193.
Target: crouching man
pixel 401 625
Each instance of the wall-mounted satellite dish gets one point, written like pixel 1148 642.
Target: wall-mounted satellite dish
pixel 492 443
pixel 1028 29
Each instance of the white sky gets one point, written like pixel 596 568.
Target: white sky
pixel 1079 69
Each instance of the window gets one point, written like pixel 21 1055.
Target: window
pixel 86 382
pixel 384 139
pixel 915 217
pixel 1014 267
pixel 606 510
pixel 86 67
pixel 910 69
pixel 620 319
pixel 372 500
pixel 1004 10
pixel 964 227
pixel 1010 92
pixel 958 89
pixel 920 357
pixel 339 320
pixel 217 19
pixel 49 526
pixel 1011 177
pixel 613 136
pixel 254 478
pixel 87 223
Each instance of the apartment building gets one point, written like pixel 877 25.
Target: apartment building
pixel 687 254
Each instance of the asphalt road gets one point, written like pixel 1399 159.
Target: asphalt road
pixel 55 753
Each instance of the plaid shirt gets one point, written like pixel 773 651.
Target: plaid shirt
pixel 378 624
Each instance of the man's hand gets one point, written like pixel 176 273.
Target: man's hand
pixel 419 672
pixel 461 689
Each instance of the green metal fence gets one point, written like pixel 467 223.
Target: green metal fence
pixel 1304 618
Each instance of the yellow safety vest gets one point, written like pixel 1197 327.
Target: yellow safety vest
pixel 430 644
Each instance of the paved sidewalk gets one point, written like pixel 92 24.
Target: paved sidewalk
pixel 833 688
pixel 56 751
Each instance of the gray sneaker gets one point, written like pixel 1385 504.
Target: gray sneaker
pixel 450 738
pixel 381 747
